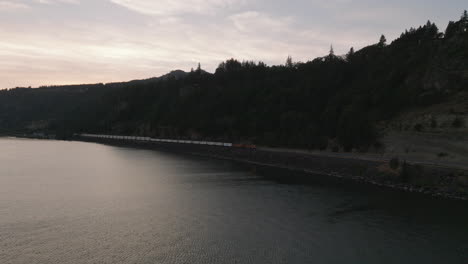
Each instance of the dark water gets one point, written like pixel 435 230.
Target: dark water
pixel 71 202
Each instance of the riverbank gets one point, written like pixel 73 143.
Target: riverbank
pixel 426 179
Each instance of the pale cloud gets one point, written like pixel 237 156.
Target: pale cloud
pixel 10 5
pixel 264 36
pixel 104 53
pixel 27 5
pixel 49 2
pixel 87 41
pixel 253 21
pixel 171 7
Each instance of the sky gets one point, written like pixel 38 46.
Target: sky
pixel 51 42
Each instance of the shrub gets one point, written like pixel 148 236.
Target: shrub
pixel 459 122
pixel 323 143
pixel 411 173
pixel 405 172
pixel 442 155
pixel 418 127
pixel 433 122
pixel 394 163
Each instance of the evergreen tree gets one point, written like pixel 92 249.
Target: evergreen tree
pixel 382 41
pixel 428 24
pixel 350 53
pixel 451 30
pixel 432 31
pixel 289 62
pixel 332 51
pixel 464 21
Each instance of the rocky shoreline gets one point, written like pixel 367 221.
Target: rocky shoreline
pixel 428 180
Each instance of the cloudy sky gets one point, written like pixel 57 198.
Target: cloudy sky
pixel 46 42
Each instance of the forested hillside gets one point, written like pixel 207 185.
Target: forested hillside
pixel 339 99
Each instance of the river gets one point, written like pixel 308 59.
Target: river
pixel 74 202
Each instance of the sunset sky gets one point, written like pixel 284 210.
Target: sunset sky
pixel 45 42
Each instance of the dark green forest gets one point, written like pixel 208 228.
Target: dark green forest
pixel 298 105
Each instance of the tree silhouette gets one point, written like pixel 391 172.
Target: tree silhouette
pixel 289 62
pixel 432 31
pixel 451 30
pixel 382 41
pixel 332 51
pixel 350 53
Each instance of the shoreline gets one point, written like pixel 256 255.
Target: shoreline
pixel 361 171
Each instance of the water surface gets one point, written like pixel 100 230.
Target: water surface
pixel 73 202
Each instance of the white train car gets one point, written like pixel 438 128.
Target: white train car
pixel 175 141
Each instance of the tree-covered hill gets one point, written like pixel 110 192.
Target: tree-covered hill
pixel 340 99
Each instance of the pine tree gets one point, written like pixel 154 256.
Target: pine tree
pixel 350 53
pixel 332 51
pixel 432 31
pixel 289 62
pixel 464 21
pixel 428 24
pixel 382 41
pixel 451 30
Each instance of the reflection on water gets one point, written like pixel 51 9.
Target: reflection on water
pixel 71 202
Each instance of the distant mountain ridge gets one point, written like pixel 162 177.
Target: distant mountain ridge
pixel 176 74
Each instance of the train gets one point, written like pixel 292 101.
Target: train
pixel 175 141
